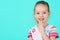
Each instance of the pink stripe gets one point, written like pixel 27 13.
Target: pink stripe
pixel 29 36
pixel 53 34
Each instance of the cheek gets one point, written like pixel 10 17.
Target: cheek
pixel 46 17
pixel 36 17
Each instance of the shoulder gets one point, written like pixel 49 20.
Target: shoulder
pixel 52 27
pixel 53 31
pixel 32 29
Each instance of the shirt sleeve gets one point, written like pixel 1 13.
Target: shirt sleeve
pixel 29 34
pixel 53 32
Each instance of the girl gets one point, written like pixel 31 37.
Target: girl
pixel 43 30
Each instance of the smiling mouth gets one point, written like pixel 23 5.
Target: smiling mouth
pixel 41 19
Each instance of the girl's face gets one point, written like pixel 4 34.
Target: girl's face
pixel 41 12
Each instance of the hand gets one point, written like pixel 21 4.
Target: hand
pixel 41 26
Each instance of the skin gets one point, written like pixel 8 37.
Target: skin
pixel 41 15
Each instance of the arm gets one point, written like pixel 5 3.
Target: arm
pixel 52 38
pixel 45 37
pixel 52 35
pixel 30 38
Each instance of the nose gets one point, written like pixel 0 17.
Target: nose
pixel 40 15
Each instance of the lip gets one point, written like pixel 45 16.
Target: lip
pixel 41 19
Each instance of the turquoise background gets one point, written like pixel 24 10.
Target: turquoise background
pixel 16 18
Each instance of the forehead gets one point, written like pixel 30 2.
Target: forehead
pixel 41 7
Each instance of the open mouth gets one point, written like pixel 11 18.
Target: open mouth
pixel 41 19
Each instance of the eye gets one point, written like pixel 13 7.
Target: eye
pixel 44 12
pixel 38 13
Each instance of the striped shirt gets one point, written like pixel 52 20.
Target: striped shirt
pixel 50 31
